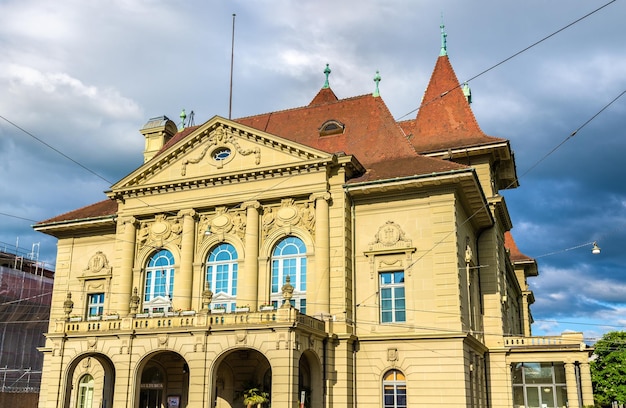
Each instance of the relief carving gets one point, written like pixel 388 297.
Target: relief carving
pixel 98 264
pixel 288 215
pixel 221 138
pixel 390 249
pixel 222 222
pixel 161 231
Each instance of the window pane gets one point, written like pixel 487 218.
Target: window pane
pixel 559 373
pixel 532 397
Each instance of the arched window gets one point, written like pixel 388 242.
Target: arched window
pixel 159 288
pixel 394 390
pixel 221 273
pixel 85 392
pixel 289 259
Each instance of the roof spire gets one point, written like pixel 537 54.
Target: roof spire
pixel 444 44
pixel 376 80
pixel 327 73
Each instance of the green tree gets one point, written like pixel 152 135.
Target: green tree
pixel 608 369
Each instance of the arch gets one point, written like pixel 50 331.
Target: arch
pixel 310 379
pixel 158 375
pixel 272 239
pixel 102 371
pixel 215 239
pixel 237 370
pixel 394 389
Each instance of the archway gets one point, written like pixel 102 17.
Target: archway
pixel 89 382
pixel 310 381
pixel 237 372
pixel 163 381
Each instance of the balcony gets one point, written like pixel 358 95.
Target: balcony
pixel 176 322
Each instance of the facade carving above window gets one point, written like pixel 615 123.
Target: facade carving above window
pixel 163 230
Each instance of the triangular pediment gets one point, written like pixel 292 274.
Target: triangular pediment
pixel 220 148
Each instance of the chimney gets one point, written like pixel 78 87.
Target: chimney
pixel 158 131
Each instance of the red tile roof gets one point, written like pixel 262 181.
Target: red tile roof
pixel 99 209
pixel 445 120
pixel 371 134
pixel 515 254
pixel 387 149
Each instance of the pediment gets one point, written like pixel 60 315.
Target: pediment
pixel 217 149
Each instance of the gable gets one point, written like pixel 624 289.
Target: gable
pixel 220 148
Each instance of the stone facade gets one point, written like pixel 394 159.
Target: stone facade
pixel 238 258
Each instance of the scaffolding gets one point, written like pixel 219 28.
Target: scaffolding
pixel 25 297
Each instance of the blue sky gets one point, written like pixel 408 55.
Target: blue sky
pixel 83 77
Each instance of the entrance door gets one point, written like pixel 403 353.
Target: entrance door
pixel 151 397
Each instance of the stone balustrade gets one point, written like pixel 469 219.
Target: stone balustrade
pixel 175 322
pixel 565 340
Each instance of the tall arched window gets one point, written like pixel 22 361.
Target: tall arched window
pixel 159 288
pixel 85 392
pixel 221 273
pixel 289 259
pixel 394 390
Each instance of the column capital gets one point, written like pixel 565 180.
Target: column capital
pixel 324 195
pixel 250 204
pixel 189 212
pixel 127 220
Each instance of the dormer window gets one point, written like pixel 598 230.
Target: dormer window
pixel 331 127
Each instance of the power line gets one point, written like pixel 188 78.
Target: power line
pixel 510 58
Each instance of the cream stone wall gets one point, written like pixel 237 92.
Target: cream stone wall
pixel 452 348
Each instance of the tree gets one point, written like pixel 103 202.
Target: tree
pixel 608 369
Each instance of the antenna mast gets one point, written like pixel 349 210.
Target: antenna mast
pixel 232 58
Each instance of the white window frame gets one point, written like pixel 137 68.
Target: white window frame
pixel 215 269
pixel 284 263
pixel 161 302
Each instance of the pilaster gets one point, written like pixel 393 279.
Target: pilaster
pixel 572 386
pixel 321 279
pixel 183 286
pixel 127 228
pixel 247 282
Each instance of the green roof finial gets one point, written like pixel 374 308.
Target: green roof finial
pixel 444 44
pixel 377 80
pixel 183 116
pixel 327 73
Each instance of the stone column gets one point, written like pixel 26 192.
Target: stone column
pixel 248 279
pixel 319 283
pixel 127 228
pixel 572 386
pixel 585 384
pixel 183 281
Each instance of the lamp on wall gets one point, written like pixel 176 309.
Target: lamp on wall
pixel 595 249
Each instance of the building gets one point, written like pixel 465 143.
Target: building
pixel 25 295
pixel 326 252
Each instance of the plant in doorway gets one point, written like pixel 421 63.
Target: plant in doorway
pixel 254 396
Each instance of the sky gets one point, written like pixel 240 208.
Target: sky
pixel 78 79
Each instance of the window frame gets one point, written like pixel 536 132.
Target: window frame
pixel 284 262
pixel 223 267
pixel 154 298
pixel 396 298
pixel 95 301
pixel 396 385
pixel 84 397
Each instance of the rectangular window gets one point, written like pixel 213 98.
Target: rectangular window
pixel 95 306
pixel 392 298
pixel 539 385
